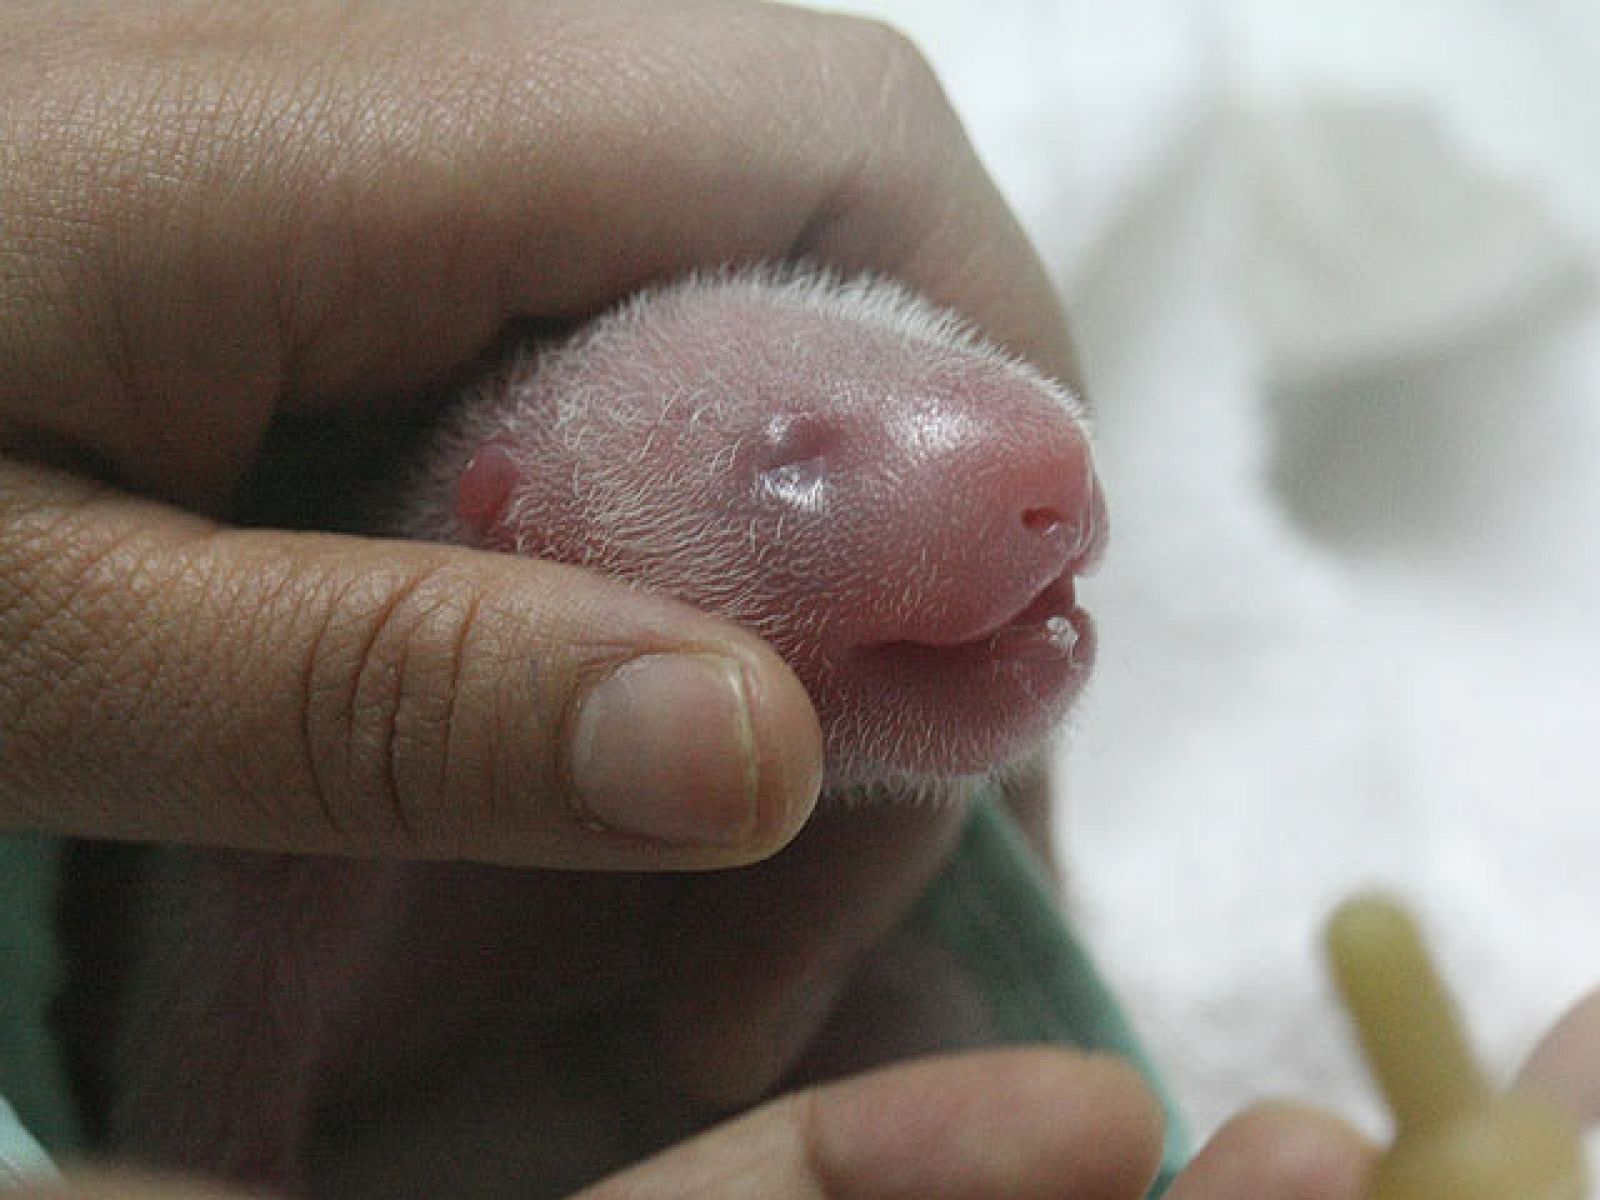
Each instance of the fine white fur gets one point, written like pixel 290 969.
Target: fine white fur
pixel 627 448
pixel 871 300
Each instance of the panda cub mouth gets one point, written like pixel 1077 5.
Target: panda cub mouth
pixel 1048 627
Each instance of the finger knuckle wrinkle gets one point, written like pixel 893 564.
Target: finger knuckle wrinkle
pixel 898 125
pixel 901 74
pixel 381 688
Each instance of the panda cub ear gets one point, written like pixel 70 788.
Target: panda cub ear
pixel 484 494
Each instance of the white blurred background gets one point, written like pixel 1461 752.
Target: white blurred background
pixel 1335 272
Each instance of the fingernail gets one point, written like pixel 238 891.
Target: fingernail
pixel 663 748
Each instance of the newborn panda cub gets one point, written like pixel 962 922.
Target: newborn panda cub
pixel 896 506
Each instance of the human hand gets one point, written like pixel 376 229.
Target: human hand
pixel 220 218
pixel 1013 1123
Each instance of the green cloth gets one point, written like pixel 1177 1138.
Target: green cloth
pixel 32 1078
pixel 992 907
pixel 22 1160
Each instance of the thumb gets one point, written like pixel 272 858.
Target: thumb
pixel 165 678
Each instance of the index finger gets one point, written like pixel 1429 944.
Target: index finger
pixel 371 192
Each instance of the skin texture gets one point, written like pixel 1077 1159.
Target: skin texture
pixel 223 220
pixel 769 447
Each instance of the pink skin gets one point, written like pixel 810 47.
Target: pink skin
pixel 897 507
pixel 899 513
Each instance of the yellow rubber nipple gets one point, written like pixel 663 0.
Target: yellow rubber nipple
pixel 1454 1138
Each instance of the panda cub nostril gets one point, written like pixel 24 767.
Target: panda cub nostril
pixel 1045 521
